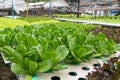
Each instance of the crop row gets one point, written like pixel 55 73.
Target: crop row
pixel 110 33
pixel 104 19
pixel 12 23
pixel 49 46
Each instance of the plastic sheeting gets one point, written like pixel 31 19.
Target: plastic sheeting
pixel 19 5
pixel 56 3
pixel 36 5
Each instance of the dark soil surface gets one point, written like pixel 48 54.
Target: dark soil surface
pixel 5 72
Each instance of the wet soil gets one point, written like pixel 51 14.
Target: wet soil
pixel 5 72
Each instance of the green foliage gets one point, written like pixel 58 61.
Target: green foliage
pixel 54 53
pixel 17 69
pixel 46 46
pixel 104 19
pixel 24 64
pixel 6 22
pixel 110 33
pixel 43 21
pixel 84 46
pixel 28 77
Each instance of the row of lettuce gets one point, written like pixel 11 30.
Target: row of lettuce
pixel 51 46
pixel 104 19
pixel 12 23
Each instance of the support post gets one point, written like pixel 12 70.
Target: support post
pixel 3 7
pixel 27 9
pixel 110 5
pixel 78 9
pixel 50 10
pixel 12 8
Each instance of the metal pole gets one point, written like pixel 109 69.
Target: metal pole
pixel 50 11
pixel 27 9
pixel 12 9
pixel 110 5
pixel 3 7
pixel 78 9
pixel 91 8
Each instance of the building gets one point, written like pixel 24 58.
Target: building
pixel 6 6
pixel 104 8
pixel 98 7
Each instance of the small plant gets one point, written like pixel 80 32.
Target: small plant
pixel 109 71
pixel 110 34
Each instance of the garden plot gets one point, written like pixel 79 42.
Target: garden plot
pixel 73 72
pixel 90 22
pixel 41 48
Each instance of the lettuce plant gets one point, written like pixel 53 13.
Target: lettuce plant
pixel 84 46
pixel 49 45
pixel 54 53
pixel 109 70
pixel 111 34
pixel 42 57
pixel 21 62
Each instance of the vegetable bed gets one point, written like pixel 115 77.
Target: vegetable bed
pixel 95 69
pixel 12 23
pixel 52 46
pixel 104 19
pixel 110 33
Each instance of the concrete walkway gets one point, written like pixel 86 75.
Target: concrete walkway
pixel 111 25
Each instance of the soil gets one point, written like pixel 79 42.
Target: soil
pixel 5 72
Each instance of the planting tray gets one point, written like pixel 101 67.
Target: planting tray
pixel 111 25
pixel 73 72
